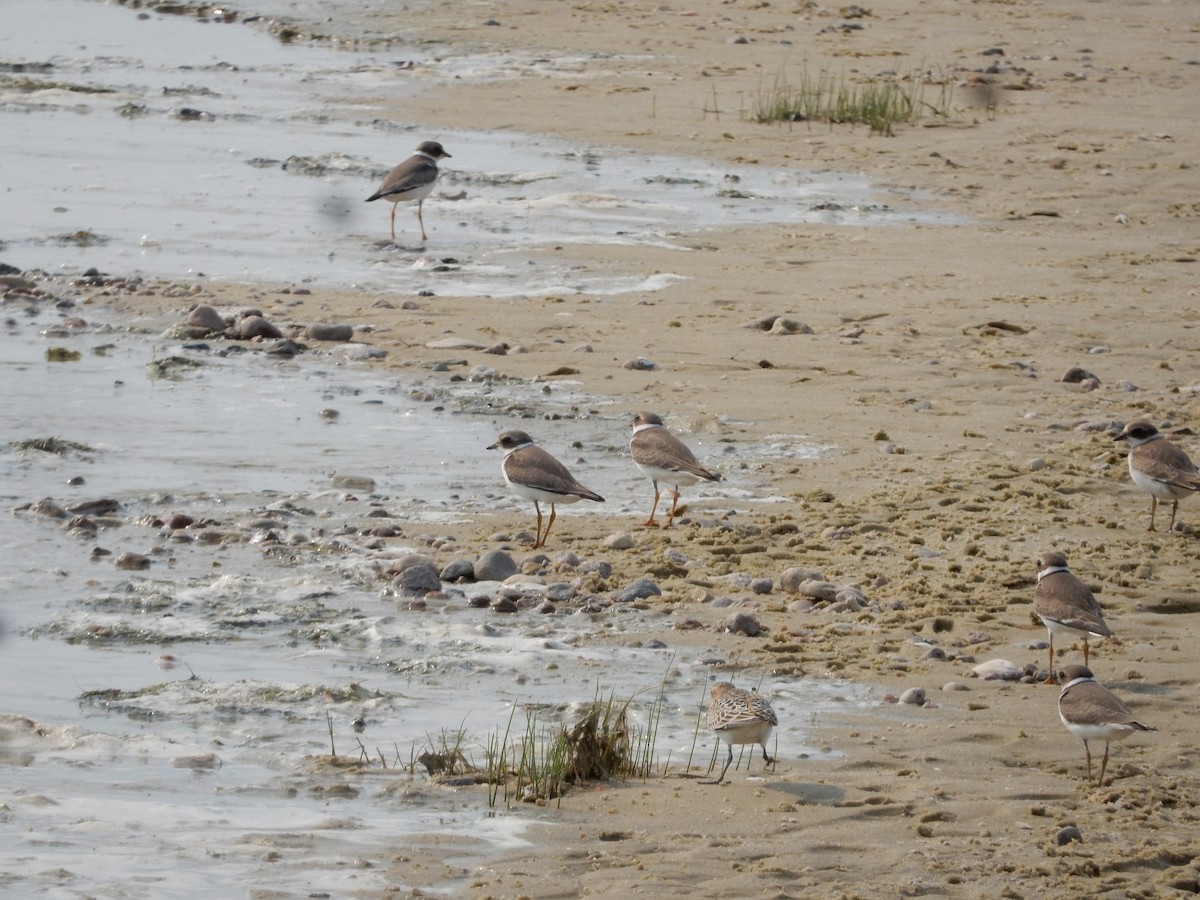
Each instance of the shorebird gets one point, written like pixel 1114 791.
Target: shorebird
pixel 534 474
pixel 740 717
pixel 412 180
pixel 1064 604
pixel 1159 467
pixel 663 457
pixel 1092 712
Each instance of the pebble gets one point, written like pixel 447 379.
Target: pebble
pixel 1076 374
pixel 914 696
pixel 132 561
pixel 639 363
pixel 418 580
pixel 621 540
pixel 561 592
pixel 742 623
pixel 457 570
pixel 1067 835
pixel 762 585
pixel 638 589
pixel 319 331
pixel 495 565
pixel 504 605
pixel 997 670
pixel 252 326
pixel 792 578
pixel 955 686
pixel 204 316
pixel 818 590
pixel 47 507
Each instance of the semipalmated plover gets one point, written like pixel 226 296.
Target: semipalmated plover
pixel 1064 604
pixel 1159 467
pixel 412 180
pixel 1092 712
pixel 738 716
pixel 663 457
pixel 534 474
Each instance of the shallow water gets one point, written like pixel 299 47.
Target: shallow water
pixel 175 716
pixel 89 183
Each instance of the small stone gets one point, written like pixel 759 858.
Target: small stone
pixel 1067 835
pixel 495 565
pixel 249 327
pixel 792 578
pixel 418 580
pixel 639 589
pixel 1035 465
pixel 762 585
pixel 639 363
pixel 1076 374
pixel 818 590
pixel 561 592
pixel 504 605
pixel 457 570
pixel 132 561
pixel 204 316
pixel 622 540
pixel 324 332
pixel 914 696
pixel 955 686
pixel 742 623
pixel 997 670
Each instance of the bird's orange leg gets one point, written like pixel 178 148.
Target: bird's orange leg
pixel 1153 509
pixel 553 513
pixel 650 522
pixel 674 507
pixel 537 537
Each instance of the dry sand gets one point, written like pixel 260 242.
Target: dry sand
pixel 1074 167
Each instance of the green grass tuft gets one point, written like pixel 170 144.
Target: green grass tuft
pixel 878 103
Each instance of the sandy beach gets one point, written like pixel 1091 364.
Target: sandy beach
pixel 932 364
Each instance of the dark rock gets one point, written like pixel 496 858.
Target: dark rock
pixel 639 589
pixel 495 565
pixel 742 623
pixel 418 580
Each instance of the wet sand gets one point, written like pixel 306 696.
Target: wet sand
pixel 960 455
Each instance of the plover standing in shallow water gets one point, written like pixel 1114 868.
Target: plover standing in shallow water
pixel 663 457
pixel 740 717
pixel 534 474
pixel 1159 467
pixel 412 180
pixel 1064 604
pixel 1092 712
